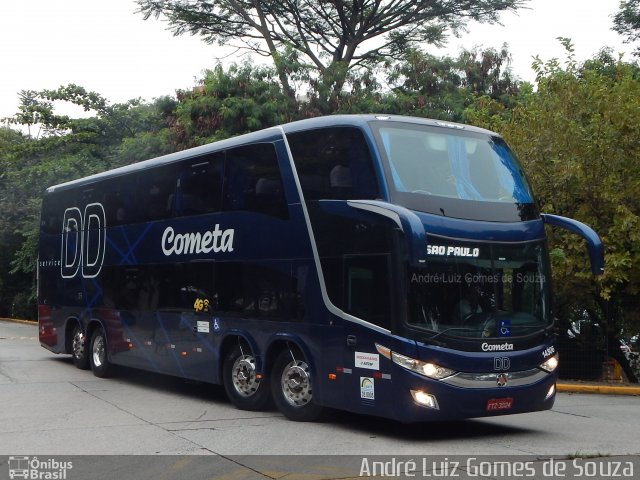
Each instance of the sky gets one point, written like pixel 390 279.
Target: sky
pixel 107 48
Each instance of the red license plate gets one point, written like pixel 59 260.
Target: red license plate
pixel 495 404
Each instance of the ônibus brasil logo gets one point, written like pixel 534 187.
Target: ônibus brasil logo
pixel 34 468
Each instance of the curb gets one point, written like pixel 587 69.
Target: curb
pixel 16 320
pixel 602 389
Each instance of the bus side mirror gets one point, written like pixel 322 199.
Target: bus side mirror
pixel 594 244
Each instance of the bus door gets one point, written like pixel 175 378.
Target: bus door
pixel 367 296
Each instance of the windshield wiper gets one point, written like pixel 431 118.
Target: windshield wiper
pixel 437 334
pixel 434 334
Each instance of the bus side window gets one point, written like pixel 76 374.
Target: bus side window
pixel 367 286
pixel 155 194
pixel 201 186
pixel 252 181
pixel 263 291
pixel 333 163
pixel 53 207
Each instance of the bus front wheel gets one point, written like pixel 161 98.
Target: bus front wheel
pixel 246 389
pixel 292 387
pixel 98 354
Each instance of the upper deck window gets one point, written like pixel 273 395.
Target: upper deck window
pixel 333 163
pixel 433 169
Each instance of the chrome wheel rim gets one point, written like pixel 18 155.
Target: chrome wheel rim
pixel 296 383
pixel 98 351
pixel 78 343
pixel 243 374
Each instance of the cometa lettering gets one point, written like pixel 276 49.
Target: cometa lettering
pixel 215 240
pixel 502 347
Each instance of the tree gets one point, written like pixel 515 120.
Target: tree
pixel 242 99
pixel 627 21
pixel 442 87
pixel 323 42
pixel 10 285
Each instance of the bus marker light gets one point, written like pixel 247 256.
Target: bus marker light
pixel 384 351
pixel 332 376
pixel 258 376
pixel 425 399
pixel 131 345
pixel 183 354
pixel 377 374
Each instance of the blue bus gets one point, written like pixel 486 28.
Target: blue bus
pixel 384 265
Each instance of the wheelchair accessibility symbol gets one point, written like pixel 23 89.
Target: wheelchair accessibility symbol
pixel 505 328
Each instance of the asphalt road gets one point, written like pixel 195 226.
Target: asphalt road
pixel 47 406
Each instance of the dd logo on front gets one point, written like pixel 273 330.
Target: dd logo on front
pixel 501 363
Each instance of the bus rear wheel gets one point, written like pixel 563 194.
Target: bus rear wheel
pixel 98 358
pixel 244 386
pixel 292 387
pixel 79 348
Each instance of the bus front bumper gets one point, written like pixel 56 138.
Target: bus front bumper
pixel 422 399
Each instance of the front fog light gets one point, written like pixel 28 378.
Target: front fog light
pixel 551 392
pixel 550 364
pixel 424 399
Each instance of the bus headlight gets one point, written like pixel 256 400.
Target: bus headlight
pixel 550 364
pixel 430 370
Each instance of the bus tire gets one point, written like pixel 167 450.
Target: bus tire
pixel 79 348
pixel 292 387
pixel 98 358
pixel 241 381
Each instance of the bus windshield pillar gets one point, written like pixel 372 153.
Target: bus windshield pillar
pixel 411 226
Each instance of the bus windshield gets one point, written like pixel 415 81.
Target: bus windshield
pixel 452 172
pixel 480 290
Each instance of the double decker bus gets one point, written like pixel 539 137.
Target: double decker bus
pixel 384 265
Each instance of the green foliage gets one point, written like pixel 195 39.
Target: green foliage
pixel 443 87
pixel 577 138
pixel 243 99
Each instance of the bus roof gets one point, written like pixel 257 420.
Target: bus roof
pixel 265 135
